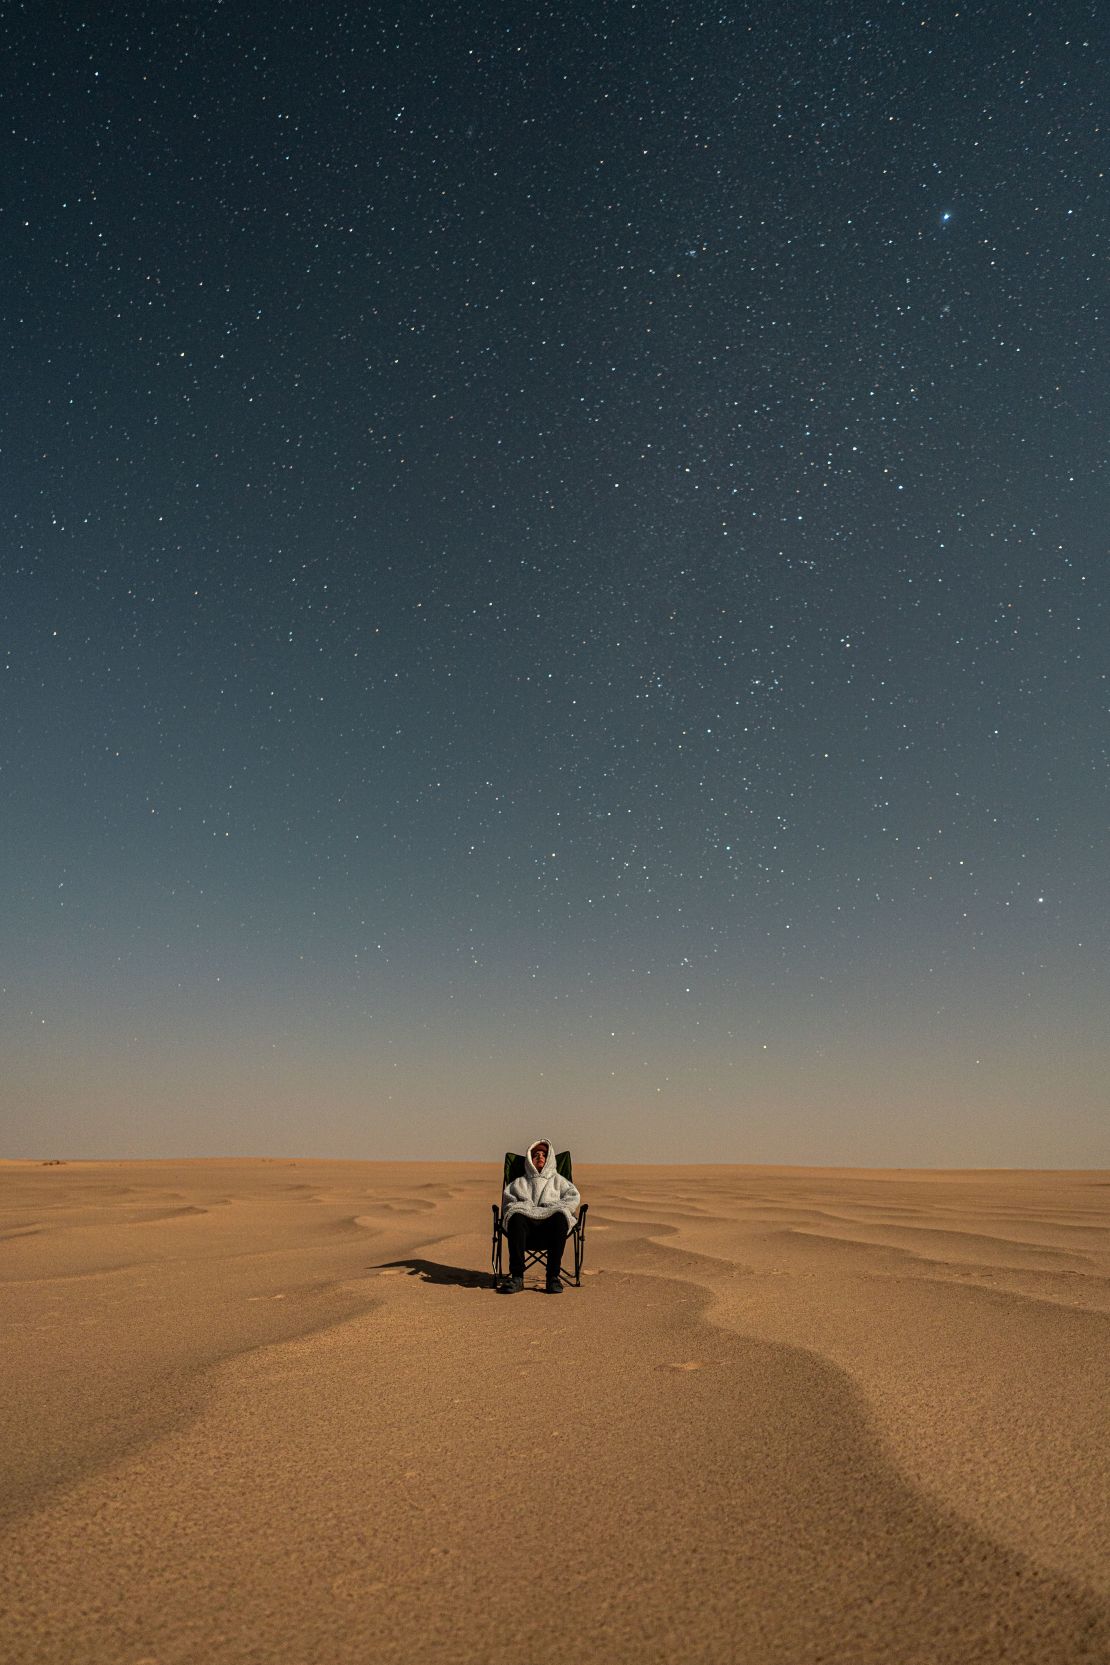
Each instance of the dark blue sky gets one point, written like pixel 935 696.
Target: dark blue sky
pixel 554 576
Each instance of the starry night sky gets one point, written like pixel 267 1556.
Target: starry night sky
pixel 554 580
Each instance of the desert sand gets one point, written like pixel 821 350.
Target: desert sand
pixel 273 1411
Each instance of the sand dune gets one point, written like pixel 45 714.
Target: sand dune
pixel 271 1411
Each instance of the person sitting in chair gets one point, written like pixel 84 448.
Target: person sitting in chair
pixel 537 1211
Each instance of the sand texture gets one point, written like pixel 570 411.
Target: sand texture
pixel 273 1411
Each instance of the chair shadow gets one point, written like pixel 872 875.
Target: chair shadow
pixel 433 1271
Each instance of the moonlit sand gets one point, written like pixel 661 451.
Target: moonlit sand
pixel 272 1411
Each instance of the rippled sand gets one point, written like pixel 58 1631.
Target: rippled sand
pixel 272 1411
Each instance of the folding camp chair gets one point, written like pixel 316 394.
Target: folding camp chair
pixel 514 1167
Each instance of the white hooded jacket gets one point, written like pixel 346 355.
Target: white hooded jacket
pixel 540 1192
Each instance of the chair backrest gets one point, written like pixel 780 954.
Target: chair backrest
pixel 514 1165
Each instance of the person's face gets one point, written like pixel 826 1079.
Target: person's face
pixel 539 1157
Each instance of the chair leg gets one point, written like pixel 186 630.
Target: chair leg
pixel 498 1237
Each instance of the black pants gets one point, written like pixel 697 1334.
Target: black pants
pixel 549 1234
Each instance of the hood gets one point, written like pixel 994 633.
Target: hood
pixel 549 1166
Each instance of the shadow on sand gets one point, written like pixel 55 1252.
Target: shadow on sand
pixel 433 1271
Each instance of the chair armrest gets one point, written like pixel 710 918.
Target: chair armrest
pixel 496 1214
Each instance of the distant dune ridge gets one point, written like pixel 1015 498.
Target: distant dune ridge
pixel 271 1410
